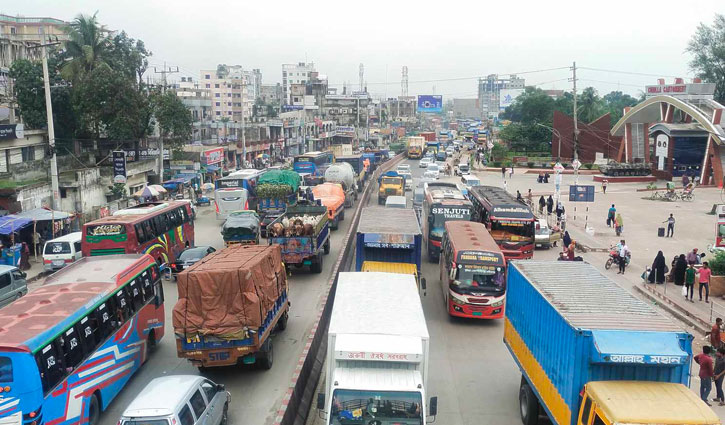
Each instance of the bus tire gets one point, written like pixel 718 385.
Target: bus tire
pixel 94 409
pixel 265 357
pixel 326 246
pixel 528 403
pixel 150 343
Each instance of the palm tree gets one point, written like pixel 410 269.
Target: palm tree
pixel 86 47
pixel 590 105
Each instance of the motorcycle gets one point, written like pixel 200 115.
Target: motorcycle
pixel 614 258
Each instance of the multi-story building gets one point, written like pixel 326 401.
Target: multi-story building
pixel 298 73
pixel 401 109
pixel 197 98
pixel 271 94
pixel 489 92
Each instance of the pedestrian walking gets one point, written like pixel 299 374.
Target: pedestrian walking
pixel 610 215
pixel 690 282
pixel 503 173
pixel 540 179
pixel 505 186
pixel 542 204
pixel 605 182
pixel 566 239
pixel 693 257
pixel 715 339
pixel 618 224
pixel 706 373
pixel 679 269
pixel 549 205
pixel 703 276
pixel 719 375
pixel 657 274
pixel 623 253
pixel 559 211
pixel 511 172
pixel 685 180
pixel 529 198
pixel 670 226
pixel 546 177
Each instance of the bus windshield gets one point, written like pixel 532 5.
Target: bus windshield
pixel 354 406
pixel 512 230
pixel 480 278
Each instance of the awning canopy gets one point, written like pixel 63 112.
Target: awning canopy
pixel 41 214
pixel 12 223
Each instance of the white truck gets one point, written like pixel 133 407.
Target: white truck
pixel 377 352
pixel 343 173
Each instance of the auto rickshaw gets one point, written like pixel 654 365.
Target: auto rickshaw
pixel 241 227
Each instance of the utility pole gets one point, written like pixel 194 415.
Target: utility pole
pixel 576 121
pixel 163 72
pixel 244 99
pixel 51 129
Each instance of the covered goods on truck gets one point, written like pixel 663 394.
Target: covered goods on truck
pixel 229 302
pixel 241 227
pixel 331 196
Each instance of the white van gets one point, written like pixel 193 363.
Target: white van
pixel 396 202
pixel 179 400
pixel 469 180
pixel 60 252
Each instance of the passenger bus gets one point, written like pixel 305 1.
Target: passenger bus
pixel 443 202
pixel 472 271
pixel 237 191
pixel 69 347
pixel 510 222
pixel 313 163
pixel 161 229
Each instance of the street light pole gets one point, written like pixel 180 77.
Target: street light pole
pixel 51 131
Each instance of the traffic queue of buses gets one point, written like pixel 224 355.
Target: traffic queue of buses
pixel 69 347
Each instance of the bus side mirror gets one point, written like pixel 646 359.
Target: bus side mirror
pixel 320 401
pixel 452 274
pixel 433 406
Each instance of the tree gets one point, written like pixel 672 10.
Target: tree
pixel 590 105
pixel 174 120
pixel 533 105
pixel 128 56
pixel 87 47
pixel 615 102
pixel 707 47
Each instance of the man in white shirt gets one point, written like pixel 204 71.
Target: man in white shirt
pixel 623 253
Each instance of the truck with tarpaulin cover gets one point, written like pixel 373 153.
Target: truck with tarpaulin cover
pixel 356 161
pixel 592 353
pixel 302 247
pixel 241 227
pixel 389 240
pixel 332 196
pixel 276 191
pixel 343 174
pixel 229 304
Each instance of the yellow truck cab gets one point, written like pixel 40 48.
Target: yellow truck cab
pixel 642 403
pixel 391 184
pixel 400 268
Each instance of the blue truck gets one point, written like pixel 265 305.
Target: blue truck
pixel 302 249
pixel 591 353
pixel 389 240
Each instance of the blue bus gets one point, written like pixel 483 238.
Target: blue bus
pixel 69 347
pixel 312 163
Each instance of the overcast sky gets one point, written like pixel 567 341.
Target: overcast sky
pixel 445 40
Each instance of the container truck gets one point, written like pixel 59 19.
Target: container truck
pixel 415 147
pixel 389 240
pixel 302 247
pixel 592 353
pixel 229 304
pixel 377 353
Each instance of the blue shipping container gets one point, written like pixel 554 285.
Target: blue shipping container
pixel 391 235
pixel 566 325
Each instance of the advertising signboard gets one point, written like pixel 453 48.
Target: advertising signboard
pixel 581 193
pixel 507 97
pixel 119 167
pixel 212 156
pixel 12 131
pixel 430 103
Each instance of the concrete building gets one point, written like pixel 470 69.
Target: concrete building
pixel 489 92
pixel 298 73
pixel 230 94
pixel 401 109
pixel 272 94
pixel 466 108
pixel 197 98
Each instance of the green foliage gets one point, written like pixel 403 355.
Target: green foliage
pixel 273 191
pixel 496 164
pixel 707 47
pixel 717 263
pixel 87 47
pixel 175 121
pixel 615 102
pixel 128 56
pixel 588 166
pixel 118 190
pixel 499 151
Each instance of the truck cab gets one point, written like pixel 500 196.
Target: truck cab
pixel 391 183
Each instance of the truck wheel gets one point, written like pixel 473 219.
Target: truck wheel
pixel 529 404
pixel 316 267
pixel 265 357
pixel 326 246
pixel 342 216
pixel 335 223
pixel 282 322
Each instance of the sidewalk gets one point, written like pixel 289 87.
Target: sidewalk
pixel 36 274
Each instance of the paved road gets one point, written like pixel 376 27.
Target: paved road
pixel 255 393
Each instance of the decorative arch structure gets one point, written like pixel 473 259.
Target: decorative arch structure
pixel 696 110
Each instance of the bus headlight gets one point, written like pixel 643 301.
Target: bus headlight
pixel 457 299
pixel 497 304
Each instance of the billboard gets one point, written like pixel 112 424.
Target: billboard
pixel 430 103
pixel 119 167
pixel 212 156
pixel 507 97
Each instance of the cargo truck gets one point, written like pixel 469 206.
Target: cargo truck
pixel 299 248
pixel 377 353
pixel 343 174
pixel 276 191
pixel 391 184
pixel 229 304
pixel 356 161
pixel 389 240
pixel 415 147
pixel 591 353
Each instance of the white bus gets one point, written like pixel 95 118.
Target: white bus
pixel 237 191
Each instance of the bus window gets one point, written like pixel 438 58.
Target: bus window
pixel 123 306
pixel 88 327
pixel 50 365
pixel 598 420
pixel 106 321
pixel 485 278
pixel 6 369
pixel 140 233
pixel 72 349
pixel 136 294
pixel 148 230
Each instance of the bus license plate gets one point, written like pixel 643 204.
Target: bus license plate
pixel 477 313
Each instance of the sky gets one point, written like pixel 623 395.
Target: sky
pixel 446 45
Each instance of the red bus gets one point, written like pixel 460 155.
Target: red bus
pixel 69 347
pixel 160 229
pixel 472 271
pixel 510 222
pixel 443 202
